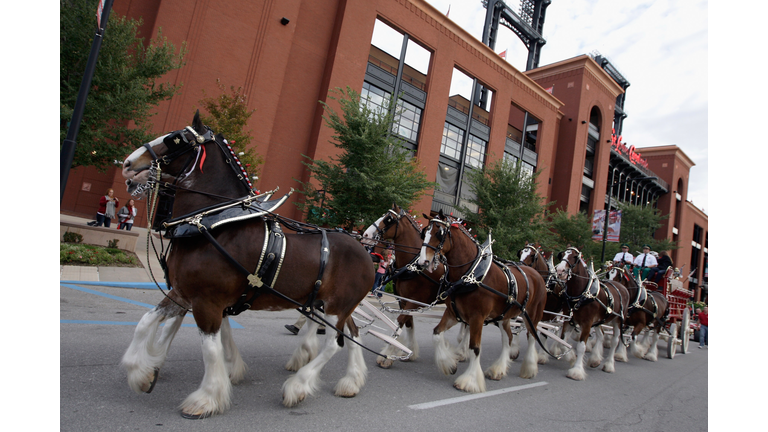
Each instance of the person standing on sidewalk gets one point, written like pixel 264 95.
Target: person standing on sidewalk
pixel 107 206
pixel 125 216
pixel 380 272
pixel 703 319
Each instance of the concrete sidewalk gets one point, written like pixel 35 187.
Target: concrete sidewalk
pixel 118 274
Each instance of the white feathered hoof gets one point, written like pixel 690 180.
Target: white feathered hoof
pixel 621 353
pixel 609 367
pixel 577 373
pixel 470 383
pixel 202 404
pixel 239 368
pixel 347 387
pixel 651 357
pixel 384 362
pixel 296 389
pixel 143 380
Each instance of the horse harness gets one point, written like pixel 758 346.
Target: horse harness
pixel 473 278
pixel 203 221
pixel 641 299
pixel 591 294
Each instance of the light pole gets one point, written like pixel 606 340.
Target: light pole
pixel 608 211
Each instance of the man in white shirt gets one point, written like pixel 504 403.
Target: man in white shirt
pixel 623 257
pixel 645 261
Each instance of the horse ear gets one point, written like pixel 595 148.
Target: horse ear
pixel 426 216
pixel 440 214
pixel 197 124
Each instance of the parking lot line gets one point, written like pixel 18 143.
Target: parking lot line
pixel 460 399
pixel 232 322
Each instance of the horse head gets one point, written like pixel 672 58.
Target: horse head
pixel 434 238
pixel 165 150
pixel 385 227
pixel 570 259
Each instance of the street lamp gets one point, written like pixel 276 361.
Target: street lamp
pixel 608 211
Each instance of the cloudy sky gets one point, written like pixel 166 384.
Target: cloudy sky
pixel 659 46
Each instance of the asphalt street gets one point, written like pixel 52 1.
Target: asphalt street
pixel 97 324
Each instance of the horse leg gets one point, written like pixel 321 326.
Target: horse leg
pixel 621 351
pixel 445 357
pixel 596 356
pixel 473 380
pixel 514 346
pixel 610 361
pixel 306 381
pixel 215 391
pixel 498 369
pixel 462 348
pixel 146 353
pixel 577 371
pixel 530 366
pixel 405 322
pixel 653 351
pixel 410 338
pixel 567 333
pixel 636 347
pixel 235 364
pixel 307 350
pixel 353 381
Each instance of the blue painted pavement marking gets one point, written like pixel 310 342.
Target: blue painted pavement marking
pixel 68 284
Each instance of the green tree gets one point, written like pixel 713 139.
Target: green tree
pixel 372 170
pixel 638 223
pixel 508 206
pixel 228 115
pixel 575 230
pixel 125 86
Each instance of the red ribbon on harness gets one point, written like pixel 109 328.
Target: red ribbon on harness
pixel 202 159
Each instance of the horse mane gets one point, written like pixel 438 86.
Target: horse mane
pixel 413 222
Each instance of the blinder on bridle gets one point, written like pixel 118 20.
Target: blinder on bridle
pixel 441 235
pixel 178 143
pixel 577 254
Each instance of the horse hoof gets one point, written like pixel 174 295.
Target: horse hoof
pixel 153 382
pixel 385 364
pixel 195 416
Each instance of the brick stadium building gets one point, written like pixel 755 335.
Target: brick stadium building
pixel 463 105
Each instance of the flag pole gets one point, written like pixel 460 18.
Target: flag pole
pixel 69 144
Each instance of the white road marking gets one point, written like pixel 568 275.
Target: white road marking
pixel 428 405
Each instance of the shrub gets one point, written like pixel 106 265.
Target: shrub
pixel 72 237
pixel 85 254
pixel 112 244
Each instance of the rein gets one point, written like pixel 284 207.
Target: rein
pixel 154 187
pixel 586 296
pixel 469 279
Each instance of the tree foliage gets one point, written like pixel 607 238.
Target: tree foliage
pixel 371 171
pixel 508 206
pixel 228 115
pixel 638 223
pixel 575 230
pixel 125 86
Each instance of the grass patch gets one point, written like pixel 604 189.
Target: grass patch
pixel 92 255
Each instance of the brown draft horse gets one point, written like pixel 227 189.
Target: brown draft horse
pixel 413 284
pixel 592 303
pixel 503 291
pixel 201 169
pixel 532 256
pixel 647 309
